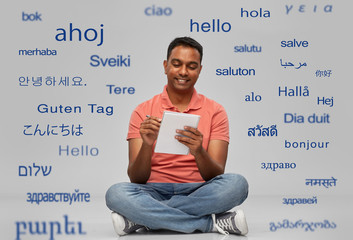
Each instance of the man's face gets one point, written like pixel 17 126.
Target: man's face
pixel 182 68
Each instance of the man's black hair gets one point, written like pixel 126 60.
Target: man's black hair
pixel 186 42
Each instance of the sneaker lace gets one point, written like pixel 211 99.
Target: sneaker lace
pixel 131 224
pixel 134 226
pixel 222 224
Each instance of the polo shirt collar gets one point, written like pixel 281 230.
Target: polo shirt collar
pixel 195 102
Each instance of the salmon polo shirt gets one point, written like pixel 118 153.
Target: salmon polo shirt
pixel 213 124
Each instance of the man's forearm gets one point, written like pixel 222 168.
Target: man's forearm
pixel 208 167
pixel 139 170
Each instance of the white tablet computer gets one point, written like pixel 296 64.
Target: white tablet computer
pixel 171 121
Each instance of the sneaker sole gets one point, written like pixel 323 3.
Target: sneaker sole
pixel 240 222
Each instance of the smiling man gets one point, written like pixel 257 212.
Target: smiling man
pixel 183 193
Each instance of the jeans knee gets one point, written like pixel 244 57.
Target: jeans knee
pixel 241 182
pixel 113 194
pixel 238 185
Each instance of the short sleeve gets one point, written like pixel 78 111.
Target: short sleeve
pixel 134 125
pixel 220 125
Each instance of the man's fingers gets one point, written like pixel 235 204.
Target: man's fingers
pixel 147 131
pixel 151 127
pixel 184 140
pixel 193 130
pixel 192 133
pixel 150 123
pixel 155 118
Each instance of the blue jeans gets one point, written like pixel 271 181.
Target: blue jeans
pixel 182 207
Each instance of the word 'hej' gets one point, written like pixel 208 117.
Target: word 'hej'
pixel 325 101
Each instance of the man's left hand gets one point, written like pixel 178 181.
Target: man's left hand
pixel 192 138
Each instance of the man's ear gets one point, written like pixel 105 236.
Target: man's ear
pixel 165 63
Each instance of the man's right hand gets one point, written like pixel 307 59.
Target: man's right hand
pixel 149 129
pixel 140 150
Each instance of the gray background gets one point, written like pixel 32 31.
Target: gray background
pixel 128 31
